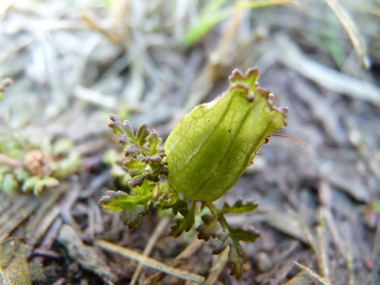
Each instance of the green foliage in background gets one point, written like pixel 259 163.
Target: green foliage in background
pixel 213 13
pixel 34 167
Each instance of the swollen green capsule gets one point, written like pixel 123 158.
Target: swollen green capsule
pixel 211 147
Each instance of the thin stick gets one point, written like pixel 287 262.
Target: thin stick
pixel 215 270
pixel 189 251
pixel 11 162
pixel 149 261
pixel 152 241
pixel 313 274
pixel 322 255
pixel 352 31
pixel 289 137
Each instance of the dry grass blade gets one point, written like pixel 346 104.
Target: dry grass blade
pixel 329 78
pixel 189 251
pixel 372 278
pixel 352 32
pixel 322 252
pixel 217 268
pixel 302 278
pixel 333 228
pixel 149 261
pixel 5 5
pixel 21 215
pixel 152 241
pixel 313 274
pixel 211 16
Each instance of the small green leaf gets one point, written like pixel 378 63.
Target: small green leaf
pixel 153 143
pixel 50 182
pixel 239 207
pixel 62 146
pixel 4 169
pixel 185 224
pixel 142 134
pixel 132 150
pixel 123 139
pixel 137 180
pixel 21 174
pixel 376 206
pixel 110 157
pixel 66 166
pixel 211 147
pixel 30 183
pixel 181 225
pixel 154 158
pixel 120 201
pixel 168 198
pixel 134 164
pixel 115 125
pixel 176 206
pixel 131 215
pixel 132 206
pixel 128 129
pixel 46 183
pixel 236 256
pixel 247 234
pixel 221 243
pixel 10 184
pixel 124 129
pixel 208 228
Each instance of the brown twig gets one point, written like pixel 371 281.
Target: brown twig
pixel 152 241
pixel 217 268
pixel 11 162
pixel 190 250
pixel 149 261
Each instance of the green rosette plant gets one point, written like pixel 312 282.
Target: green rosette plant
pixel 202 159
pixel 34 167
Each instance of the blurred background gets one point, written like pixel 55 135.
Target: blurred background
pixel 75 62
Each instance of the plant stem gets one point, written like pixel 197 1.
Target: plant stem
pixel 11 162
pixel 222 221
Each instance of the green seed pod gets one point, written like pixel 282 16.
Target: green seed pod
pixel 211 147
